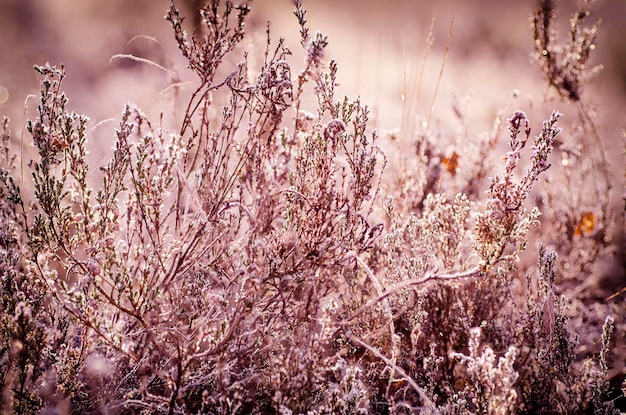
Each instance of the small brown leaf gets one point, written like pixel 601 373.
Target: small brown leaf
pixel 586 224
pixel 451 163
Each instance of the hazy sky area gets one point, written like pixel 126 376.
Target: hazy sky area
pixel 372 40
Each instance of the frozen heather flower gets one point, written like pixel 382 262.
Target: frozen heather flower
pixel 108 242
pixel 515 123
pixel 92 227
pixel 334 129
pixel 315 49
pixel 304 120
pixel 93 267
pixel 79 217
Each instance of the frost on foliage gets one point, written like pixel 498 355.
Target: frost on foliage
pixel 491 379
pixel 505 223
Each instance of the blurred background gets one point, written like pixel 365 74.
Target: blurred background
pixel 381 47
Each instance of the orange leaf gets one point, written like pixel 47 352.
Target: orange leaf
pixel 451 163
pixel 586 224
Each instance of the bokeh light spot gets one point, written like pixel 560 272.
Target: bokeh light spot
pixel 4 94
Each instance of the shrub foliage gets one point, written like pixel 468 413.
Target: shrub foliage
pixel 260 260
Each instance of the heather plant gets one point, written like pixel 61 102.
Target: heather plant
pixel 585 217
pixel 259 260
